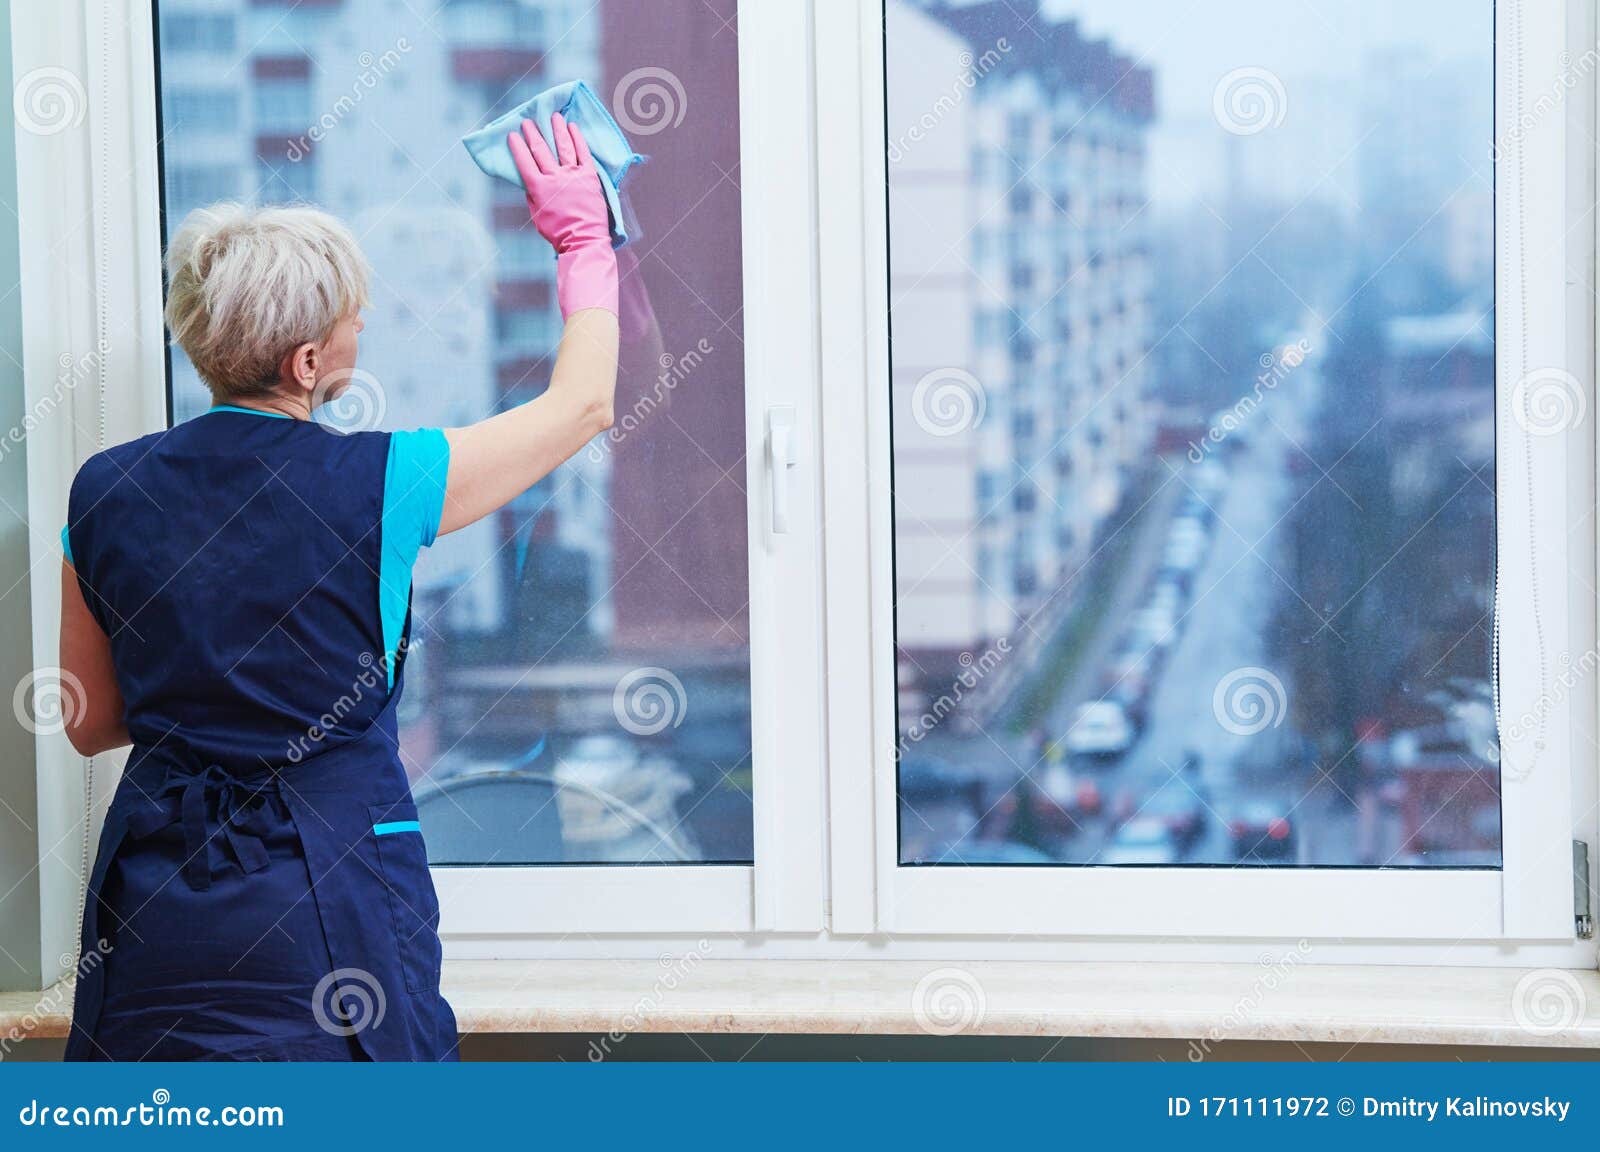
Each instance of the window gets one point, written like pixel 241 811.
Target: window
pixel 1165 508
pixel 534 332
pixel 200 110
pixel 1294 425
pixel 582 680
pixel 294 182
pixel 579 689
pixel 183 31
pixel 282 105
pixel 1226 666
pixel 202 183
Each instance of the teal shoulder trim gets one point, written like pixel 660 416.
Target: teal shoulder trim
pixel 66 545
pixel 413 503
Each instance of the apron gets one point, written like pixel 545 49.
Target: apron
pixel 261 889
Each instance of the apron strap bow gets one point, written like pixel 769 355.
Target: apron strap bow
pixel 183 799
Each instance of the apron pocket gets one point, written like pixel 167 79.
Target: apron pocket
pixel 404 861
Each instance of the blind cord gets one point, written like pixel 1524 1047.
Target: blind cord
pixel 103 334
pixel 1541 713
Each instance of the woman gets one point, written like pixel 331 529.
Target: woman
pixel 235 602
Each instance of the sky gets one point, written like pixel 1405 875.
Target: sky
pixel 1187 39
pixel 1317 50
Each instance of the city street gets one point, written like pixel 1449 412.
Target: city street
pixel 1221 634
pixel 1201 760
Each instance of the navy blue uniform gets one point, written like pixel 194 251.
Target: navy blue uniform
pixel 261 880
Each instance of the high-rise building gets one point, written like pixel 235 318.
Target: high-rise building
pixel 679 534
pixel 1030 189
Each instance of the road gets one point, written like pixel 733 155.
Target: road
pixel 1244 755
pixel 1249 759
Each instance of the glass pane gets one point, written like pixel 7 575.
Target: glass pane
pixel 1193 403
pixel 579 686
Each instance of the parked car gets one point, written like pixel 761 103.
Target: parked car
pixel 1133 659
pixel 1180 809
pixel 1186 529
pixel 1068 792
pixel 1167 596
pixel 1101 731
pixel 1182 578
pixel 1128 683
pixel 1234 428
pixel 1196 507
pixel 1154 628
pixel 1140 841
pixel 1183 557
pixel 1261 831
pixel 1209 478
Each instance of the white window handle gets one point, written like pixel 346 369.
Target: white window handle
pixel 782 455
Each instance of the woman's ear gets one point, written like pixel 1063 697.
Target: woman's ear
pixel 300 368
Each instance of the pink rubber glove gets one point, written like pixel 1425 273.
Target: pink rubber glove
pixel 569 210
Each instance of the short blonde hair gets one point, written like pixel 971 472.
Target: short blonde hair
pixel 245 286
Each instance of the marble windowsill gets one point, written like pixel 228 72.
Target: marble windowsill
pixel 1346 1004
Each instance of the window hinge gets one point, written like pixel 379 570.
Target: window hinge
pixel 1583 922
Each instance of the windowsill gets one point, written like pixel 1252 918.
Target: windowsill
pixel 1346 1004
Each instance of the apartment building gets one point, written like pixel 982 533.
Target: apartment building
pixel 1030 302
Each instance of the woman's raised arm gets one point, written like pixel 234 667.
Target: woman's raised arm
pixel 495 460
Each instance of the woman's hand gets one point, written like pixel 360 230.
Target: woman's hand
pixel 569 209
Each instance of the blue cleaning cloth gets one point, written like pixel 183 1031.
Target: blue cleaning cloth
pixel 576 101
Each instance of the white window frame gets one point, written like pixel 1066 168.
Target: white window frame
pixel 1531 898
pixel 826 881
pixel 96 252
pixel 783 890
